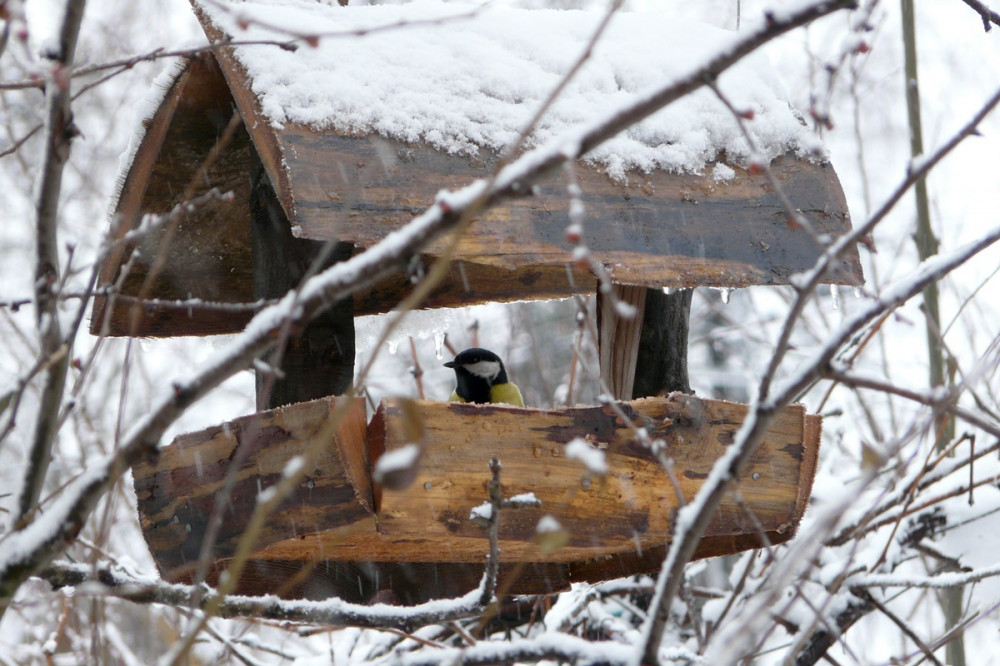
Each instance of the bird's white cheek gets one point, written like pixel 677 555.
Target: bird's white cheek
pixel 484 369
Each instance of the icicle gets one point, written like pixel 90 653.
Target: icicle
pixel 725 293
pixel 393 346
pixel 439 344
pixel 835 296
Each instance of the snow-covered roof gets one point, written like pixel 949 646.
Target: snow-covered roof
pixel 379 109
pixel 473 79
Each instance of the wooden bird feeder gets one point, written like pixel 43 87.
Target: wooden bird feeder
pixel 295 188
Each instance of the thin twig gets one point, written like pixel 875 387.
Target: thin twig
pixel 945 402
pixel 417 371
pixel 59 132
pixel 493 563
pixel 988 15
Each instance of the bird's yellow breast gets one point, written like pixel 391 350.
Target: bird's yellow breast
pixel 507 393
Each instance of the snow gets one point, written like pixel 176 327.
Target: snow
pixel 483 512
pixel 144 111
pixel 402 458
pixel 548 523
pixel 417 82
pixel 722 173
pixel 523 500
pixel 592 458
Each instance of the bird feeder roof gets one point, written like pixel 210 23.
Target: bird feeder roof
pixel 361 114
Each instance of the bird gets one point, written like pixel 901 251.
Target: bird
pixel 482 379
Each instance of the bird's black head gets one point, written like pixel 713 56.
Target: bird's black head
pixel 477 370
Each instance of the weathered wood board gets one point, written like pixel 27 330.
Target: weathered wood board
pixel 658 230
pixel 204 254
pixel 179 495
pixel 628 510
pixel 416 543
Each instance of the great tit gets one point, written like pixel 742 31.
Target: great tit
pixel 482 378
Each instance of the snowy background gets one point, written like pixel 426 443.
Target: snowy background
pixel 731 333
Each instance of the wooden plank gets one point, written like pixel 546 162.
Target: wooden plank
pixel 661 229
pixel 421 544
pixel 658 230
pixel 209 256
pixel 631 508
pixel 179 494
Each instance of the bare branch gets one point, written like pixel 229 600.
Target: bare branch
pixel 493 563
pixel 59 132
pixel 866 596
pixel 988 15
pixel 811 279
pixel 823 639
pixel 945 402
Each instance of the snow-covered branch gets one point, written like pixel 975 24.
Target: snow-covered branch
pixel 60 130
pixel 112 581
pixel 941 580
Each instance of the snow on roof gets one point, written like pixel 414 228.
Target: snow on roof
pixel 475 81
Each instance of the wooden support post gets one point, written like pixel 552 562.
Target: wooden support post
pixel 661 366
pixel 618 337
pixel 644 355
pixel 319 360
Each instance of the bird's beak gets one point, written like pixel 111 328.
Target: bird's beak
pixel 450 364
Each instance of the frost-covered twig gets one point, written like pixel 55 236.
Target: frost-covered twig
pixel 113 581
pixel 59 132
pixel 547 646
pixel 943 401
pixel 807 283
pixel 694 518
pixel 942 580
